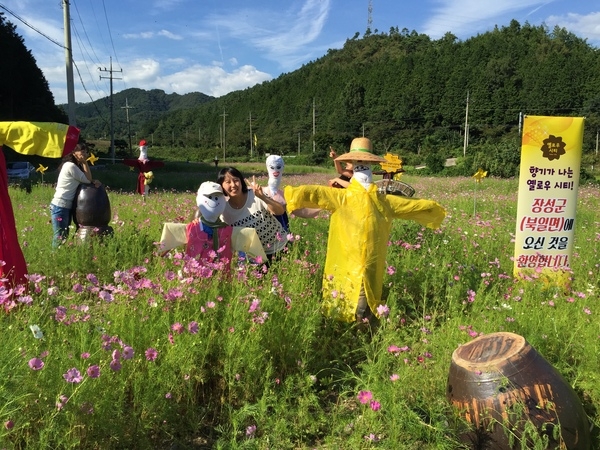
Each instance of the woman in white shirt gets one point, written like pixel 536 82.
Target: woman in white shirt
pixel 74 170
pixel 253 209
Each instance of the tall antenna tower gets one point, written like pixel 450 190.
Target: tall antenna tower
pixel 370 16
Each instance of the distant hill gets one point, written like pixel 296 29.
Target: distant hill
pixel 145 110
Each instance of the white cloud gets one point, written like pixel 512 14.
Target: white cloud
pixel 210 80
pixel 468 16
pixel 142 35
pixel 585 26
pixel 169 35
pixel 141 71
pixel 282 36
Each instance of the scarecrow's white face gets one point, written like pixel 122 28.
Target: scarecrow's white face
pixel 143 153
pixel 363 174
pixel 211 206
pixel 275 166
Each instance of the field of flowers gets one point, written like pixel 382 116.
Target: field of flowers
pixel 115 346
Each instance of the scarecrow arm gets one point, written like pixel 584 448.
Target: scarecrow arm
pixel 313 197
pixel 428 213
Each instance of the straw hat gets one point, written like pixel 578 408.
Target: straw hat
pixel 360 150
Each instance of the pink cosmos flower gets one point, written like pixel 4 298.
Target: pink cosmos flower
pixel 73 376
pixel 177 328
pixel 93 371
pixel 250 430
pixel 394 377
pixel 62 401
pixel 106 296
pixel 115 365
pixel 375 405
pixel 36 364
pixel 372 437
pixel 193 327
pixel 383 310
pixel 254 305
pixel 128 352
pixel 364 397
pixel 9 424
pixel 151 354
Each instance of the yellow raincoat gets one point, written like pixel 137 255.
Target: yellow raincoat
pixel 360 226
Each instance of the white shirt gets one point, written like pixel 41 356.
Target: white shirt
pixel 255 214
pixel 69 178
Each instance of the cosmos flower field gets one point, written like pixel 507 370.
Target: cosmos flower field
pixel 114 345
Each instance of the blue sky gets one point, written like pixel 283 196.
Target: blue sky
pixel 219 46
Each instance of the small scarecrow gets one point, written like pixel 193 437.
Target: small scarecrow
pixel 208 236
pixel 359 230
pixel 144 167
pixel 209 233
pixel 275 167
pixel 52 140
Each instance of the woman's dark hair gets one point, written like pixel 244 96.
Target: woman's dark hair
pixel 71 156
pixel 234 173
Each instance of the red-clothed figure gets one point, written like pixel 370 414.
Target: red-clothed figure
pixel 144 167
pixel 52 140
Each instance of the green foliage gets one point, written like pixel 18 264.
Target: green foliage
pixel 265 369
pixel 403 90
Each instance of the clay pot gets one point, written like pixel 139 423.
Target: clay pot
pixel 92 212
pixel 501 385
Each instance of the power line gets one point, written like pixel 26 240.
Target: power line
pixel 31 26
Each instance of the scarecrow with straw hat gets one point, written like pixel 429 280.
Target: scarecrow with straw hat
pixel 360 226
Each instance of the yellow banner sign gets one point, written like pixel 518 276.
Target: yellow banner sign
pixel 548 184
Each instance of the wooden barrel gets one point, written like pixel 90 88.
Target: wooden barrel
pixel 502 386
pixel 92 206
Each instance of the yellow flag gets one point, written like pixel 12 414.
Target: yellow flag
pixel 255 140
pixel 92 159
pixel 479 175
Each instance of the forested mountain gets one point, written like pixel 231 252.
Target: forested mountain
pixel 408 93
pixel 24 91
pixel 405 91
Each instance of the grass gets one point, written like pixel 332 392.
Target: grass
pixel 249 361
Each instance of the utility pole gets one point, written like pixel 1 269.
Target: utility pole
pixel 223 142
pixel 298 143
pixel 314 125
pixel 127 108
pixel 69 64
pixel 466 142
pixel 251 138
pixel 112 118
